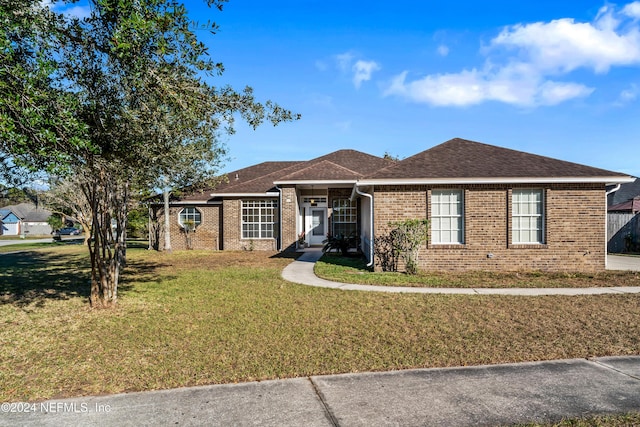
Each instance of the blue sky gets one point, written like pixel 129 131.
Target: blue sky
pixel 556 78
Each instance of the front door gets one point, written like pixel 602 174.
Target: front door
pixel 318 226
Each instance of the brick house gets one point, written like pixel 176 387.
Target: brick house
pixel 489 208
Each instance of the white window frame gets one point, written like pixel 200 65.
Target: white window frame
pixel 439 215
pixel 258 219
pixel 191 215
pixel 344 211
pixel 521 211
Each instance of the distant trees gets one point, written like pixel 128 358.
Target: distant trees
pixel 116 101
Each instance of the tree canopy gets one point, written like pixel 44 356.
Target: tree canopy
pixel 117 97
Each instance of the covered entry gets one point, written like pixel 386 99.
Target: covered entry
pixel 314 219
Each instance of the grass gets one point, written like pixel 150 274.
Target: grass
pixel 42 236
pixel 196 317
pixel 353 270
pixel 623 420
pixel 40 245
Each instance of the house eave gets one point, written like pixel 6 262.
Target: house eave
pixel 609 180
pixel 266 194
pixel 317 182
pixel 187 202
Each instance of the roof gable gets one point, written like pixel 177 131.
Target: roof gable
pixel 460 158
pixel 341 165
pixel 10 218
pixel 322 170
pixel 251 178
pixel 355 161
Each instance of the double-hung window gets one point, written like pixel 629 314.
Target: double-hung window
pixel 344 217
pixel 527 216
pixel 259 219
pixel 447 217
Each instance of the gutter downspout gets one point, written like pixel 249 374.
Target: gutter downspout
pixel 279 245
pixel 606 223
pixel 371 239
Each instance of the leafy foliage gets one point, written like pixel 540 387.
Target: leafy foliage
pixel 403 242
pixel 118 97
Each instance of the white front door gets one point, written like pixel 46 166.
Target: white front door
pixel 317 221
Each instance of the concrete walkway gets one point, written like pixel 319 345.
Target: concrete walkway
pixel 623 262
pixel 301 271
pixel 472 396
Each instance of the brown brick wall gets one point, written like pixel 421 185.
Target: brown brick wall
pixel 206 236
pixel 574 228
pixel 289 211
pixel 232 230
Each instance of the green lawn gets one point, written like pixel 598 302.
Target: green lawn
pixel 351 269
pixel 20 247
pixel 197 317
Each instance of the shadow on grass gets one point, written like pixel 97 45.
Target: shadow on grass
pixel 287 255
pixel 34 277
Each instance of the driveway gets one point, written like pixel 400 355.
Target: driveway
pixel 620 262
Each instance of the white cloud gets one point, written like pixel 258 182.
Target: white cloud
pixel 525 62
pixel 629 95
pixel 563 45
pixel 472 87
pixel 632 10
pixel 443 50
pixel 363 71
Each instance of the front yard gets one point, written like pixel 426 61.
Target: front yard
pixel 353 270
pixel 195 317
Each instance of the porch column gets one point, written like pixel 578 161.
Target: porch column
pixel 289 211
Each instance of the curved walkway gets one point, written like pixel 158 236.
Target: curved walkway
pixel 301 271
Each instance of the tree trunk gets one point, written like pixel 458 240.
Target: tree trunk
pixel 107 247
pixel 167 221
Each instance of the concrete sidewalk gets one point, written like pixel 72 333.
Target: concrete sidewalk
pixel 472 396
pixel 301 271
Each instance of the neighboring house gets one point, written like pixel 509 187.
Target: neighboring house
pixel 24 219
pixel 623 226
pixel 489 208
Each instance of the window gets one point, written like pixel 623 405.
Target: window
pixel 446 217
pixel 344 217
pixel 527 216
pixel 190 216
pixel 259 219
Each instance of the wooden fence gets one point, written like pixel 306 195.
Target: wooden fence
pixel 620 225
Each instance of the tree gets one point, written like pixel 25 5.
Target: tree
pixel 65 197
pixel 118 96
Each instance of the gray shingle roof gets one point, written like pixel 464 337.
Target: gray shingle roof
pixel 346 165
pixel 27 212
pixel 456 158
pixel 626 192
pixel 460 158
